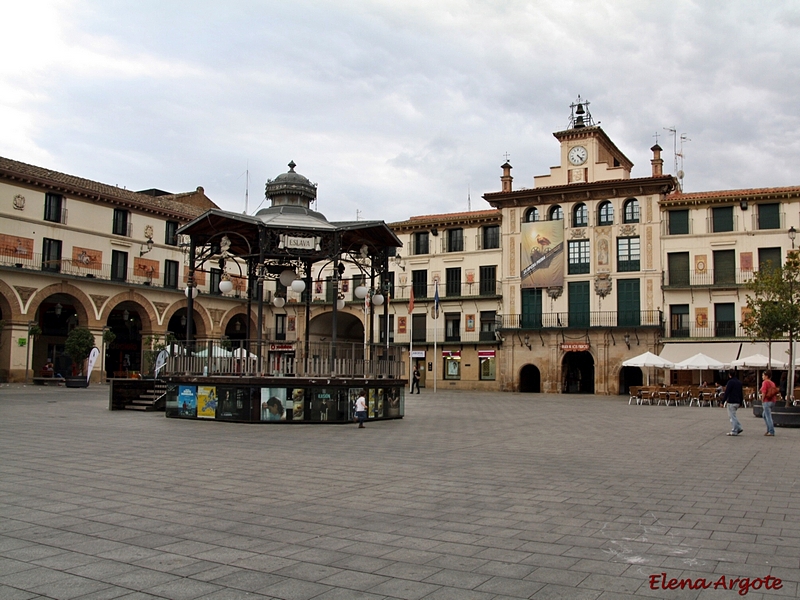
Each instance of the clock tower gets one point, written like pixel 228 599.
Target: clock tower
pixel 587 153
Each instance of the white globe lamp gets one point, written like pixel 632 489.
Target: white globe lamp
pixel 225 285
pixel 191 291
pixel 340 304
pixel 377 299
pixel 287 277
pixel 361 292
pixel 298 286
pixel 279 301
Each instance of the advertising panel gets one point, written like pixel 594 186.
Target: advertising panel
pixel 542 259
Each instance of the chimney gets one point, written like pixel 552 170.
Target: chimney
pixel 657 162
pixel 506 179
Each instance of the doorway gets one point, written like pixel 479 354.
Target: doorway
pixel 578 373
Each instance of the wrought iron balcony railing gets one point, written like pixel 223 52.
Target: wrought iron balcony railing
pixel 581 320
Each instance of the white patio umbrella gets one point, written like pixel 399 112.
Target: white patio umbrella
pixel 758 361
pixel 648 360
pixel 218 352
pixel 700 362
pixel 243 353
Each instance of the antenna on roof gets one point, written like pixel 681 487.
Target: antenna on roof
pixel 677 154
pixel 246 187
pixel 469 199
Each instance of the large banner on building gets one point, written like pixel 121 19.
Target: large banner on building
pixel 542 259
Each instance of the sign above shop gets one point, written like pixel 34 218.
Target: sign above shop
pixel 281 348
pixel 418 354
pixel 574 346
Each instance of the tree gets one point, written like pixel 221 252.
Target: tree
pixel 78 345
pixel 774 306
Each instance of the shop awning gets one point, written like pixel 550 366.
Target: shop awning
pixel 725 352
pixel 780 350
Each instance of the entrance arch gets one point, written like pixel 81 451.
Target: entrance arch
pixel 530 379
pixel 126 320
pixel 578 373
pixel 629 376
pixel 56 315
pixel 349 328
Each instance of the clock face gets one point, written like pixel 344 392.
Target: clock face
pixel 578 155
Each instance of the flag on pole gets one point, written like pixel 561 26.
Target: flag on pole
pixel 436 301
pixel 411 301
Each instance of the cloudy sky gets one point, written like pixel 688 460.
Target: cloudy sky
pixel 394 108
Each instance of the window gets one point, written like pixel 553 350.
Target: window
pixel 631 211
pixel 628 303
pixel 769 216
pixel 578 303
pixel 452 282
pixel 724 266
pixel 120 225
pixel 605 214
pixel 725 319
pixel 769 258
pixel 488 281
pixel 580 216
pixel 455 240
pixel 51 255
pixel 382 328
pixel 722 219
pixel 389 283
pixel 358 280
pixel 556 213
pixel 419 283
pixel 421 239
pixel 578 257
pixel 119 265
pixel 214 280
pixel 531 308
pixel 628 254
pixel 418 327
pixel 171 236
pixel 53 208
pixel 488 325
pixel 452 365
pixel 491 237
pixel 678 222
pixel 531 215
pixel 452 327
pixel 280 327
pixel 679 320
pixel 678 268
pixel 488 366
pixel 171 273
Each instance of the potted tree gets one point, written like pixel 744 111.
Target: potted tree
pixel 774 310
pixel 79 344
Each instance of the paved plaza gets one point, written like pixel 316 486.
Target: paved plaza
pixel 472 496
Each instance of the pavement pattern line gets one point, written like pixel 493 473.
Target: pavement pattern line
pixel 472 495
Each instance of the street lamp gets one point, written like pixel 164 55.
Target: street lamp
pixel 790 382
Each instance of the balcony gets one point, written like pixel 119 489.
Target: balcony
pixel 66 267
pixel 583 320
pixel 708 278
pixel 477 289
pixel 713 329
pixel 427 337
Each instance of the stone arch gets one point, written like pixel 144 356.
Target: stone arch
pixel 135 298
pixel 349 328
pixel 578 372
pixel 235 312
pixel 84 305
pixel 530 379
pixel 203 325
pixel 9 305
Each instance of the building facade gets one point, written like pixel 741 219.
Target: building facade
pixel 713 244
pixel 75 252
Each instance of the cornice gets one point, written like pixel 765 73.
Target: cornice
pixel 582 192
pixel 731 196
pixel 425 222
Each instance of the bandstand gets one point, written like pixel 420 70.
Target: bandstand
pixel 261 377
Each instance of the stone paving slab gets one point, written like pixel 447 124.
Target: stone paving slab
pixel 471 496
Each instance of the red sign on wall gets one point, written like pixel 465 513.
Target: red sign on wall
pixel 574 346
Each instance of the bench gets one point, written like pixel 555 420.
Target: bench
pixel 48 380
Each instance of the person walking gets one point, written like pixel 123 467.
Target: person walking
pixel 734 398
pixel 361 409
pixel 415 377
pixel 769 392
